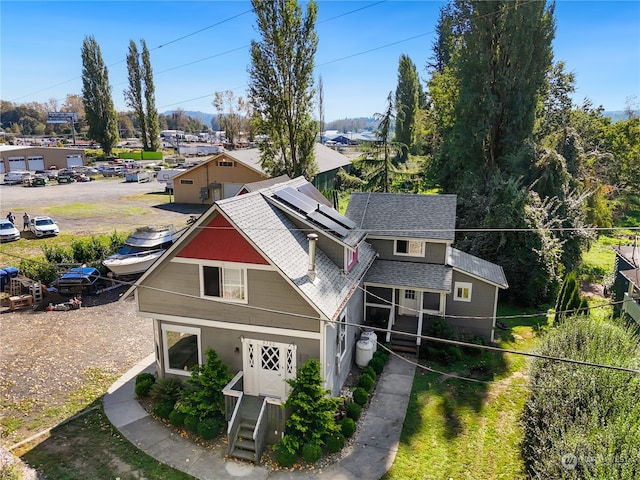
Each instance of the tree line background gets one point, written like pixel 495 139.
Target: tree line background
pixel 493 122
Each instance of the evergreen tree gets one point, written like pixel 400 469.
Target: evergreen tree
pixel 501 64
pixel 377 161
pixel 100 113
pixel 408 94
pixel 281 86
pixel 152 121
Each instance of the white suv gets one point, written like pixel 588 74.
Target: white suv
pixel 43 226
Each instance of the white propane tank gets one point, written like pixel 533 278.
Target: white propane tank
pixel 364 352
pixel 370 335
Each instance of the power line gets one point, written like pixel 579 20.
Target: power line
pixel 384 330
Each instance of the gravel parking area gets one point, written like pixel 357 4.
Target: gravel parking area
pixel 51 362
pixel 49 358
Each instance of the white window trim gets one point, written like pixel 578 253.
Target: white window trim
pixel 463 285
pixel 165 350
pixel 408 254
pixel 223 267
pixel 341 335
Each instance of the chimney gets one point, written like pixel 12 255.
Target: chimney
pixel 311 273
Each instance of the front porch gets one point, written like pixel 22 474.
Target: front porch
pixel 252 421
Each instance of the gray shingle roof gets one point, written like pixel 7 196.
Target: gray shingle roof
pixel 404 215
pixel 412 275
pixel 477 267
pixel 327 159
pixel 286 247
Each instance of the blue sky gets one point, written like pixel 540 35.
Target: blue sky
pixel 200 47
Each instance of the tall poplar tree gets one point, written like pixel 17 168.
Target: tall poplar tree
pixel 153 123
pixel 140 96
pixel 281 86
pixel 408 93
pixel 100 114
pixel 133 95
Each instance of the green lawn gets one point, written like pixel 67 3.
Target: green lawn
pixel 470 430
pixel 90 447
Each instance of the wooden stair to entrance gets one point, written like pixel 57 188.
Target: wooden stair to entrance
pixel 404 344
pixel 244 446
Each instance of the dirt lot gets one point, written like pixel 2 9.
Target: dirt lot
pixel 55 363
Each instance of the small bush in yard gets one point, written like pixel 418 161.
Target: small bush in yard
pixel 366 381
pixel 377 364
pixel 202 394
pixel 354 411
pixel 311 452
pixel 165 389
pixel 163 409
pixel 191 423
pixel 209 428
pixel 335 442
pixel 348 427
pixel 360 396
pixel 143 385
pixel 176 418
pixel 369 371
pixel 286 451
pixel 145 376
pixel 383 354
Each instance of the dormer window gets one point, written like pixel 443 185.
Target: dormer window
pixel 352 258
pixel 411 248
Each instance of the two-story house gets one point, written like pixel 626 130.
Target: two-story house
pixel 276 276
pixel 418 275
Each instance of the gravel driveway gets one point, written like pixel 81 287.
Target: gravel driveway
pixel 50 361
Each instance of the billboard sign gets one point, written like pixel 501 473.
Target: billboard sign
pixel 62 117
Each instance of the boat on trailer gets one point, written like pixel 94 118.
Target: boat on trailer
pixel 141 249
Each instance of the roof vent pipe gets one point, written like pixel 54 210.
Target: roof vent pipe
pixel 311 273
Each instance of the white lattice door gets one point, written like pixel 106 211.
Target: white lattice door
pixel 267 366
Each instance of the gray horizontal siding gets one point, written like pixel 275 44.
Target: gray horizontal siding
pixel 225 343
pixel 434 252
pixel 174 289
pixel 481 305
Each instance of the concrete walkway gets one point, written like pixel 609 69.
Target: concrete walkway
pixel 370 456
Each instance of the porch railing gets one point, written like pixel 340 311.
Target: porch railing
pixel 392 319
pixel 259 434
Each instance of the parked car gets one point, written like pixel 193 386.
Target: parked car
pixel 8 231
pixel 65 179
pixel 43 226
pixel 39 181
pixel 114 171
pixel 16 177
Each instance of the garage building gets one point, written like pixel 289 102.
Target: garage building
pixel 23 158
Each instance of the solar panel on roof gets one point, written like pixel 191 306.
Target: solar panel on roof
pixel 338 217
pixel 328 223
pixel 295 199
pixel 310 191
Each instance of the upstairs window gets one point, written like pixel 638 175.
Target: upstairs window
pixel 225 163
pixel 462 292
pixel 411 248
pixel 225 283
pixel 186 182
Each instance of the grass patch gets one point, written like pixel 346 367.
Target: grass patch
pixel 90 444
pixel 34 416
pixel 469 430
pixel 92 210
pixel 597 262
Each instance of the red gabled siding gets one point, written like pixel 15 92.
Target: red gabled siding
pixel 219 240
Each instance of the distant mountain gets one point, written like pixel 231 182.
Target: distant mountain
pixel 619 115
pixel 205 118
